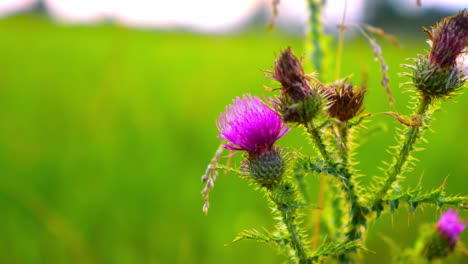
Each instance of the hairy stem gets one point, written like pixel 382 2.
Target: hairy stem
pixel 315 32
pixel 411 135
pixel 357 211
pixel 343 145
pixel 320 208
pixel 318 141
pixel 288 216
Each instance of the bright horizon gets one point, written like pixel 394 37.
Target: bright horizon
pixel 201 15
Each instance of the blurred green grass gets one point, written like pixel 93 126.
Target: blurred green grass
pixel 105 132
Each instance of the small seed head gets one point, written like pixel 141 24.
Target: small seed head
pixel 345 101
pixel 289 72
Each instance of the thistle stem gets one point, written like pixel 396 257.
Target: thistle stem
pixel 343 145
pixel 357 211
pixel 315 32
pixel 411 135
pixel 288 216
pixel 318 141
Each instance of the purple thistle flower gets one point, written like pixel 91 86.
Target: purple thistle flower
pixel 249 124
pixel 450 227
pixel 448 39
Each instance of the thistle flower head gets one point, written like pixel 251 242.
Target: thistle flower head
pixel 450 227
pixel 250 125
pixel 299 101
pixel 345 100
pixel 289 72
pixel 438 74
pixel 448 39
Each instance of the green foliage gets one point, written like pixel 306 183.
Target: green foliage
pixel 417 196
pixel 335 149
pixel 327 249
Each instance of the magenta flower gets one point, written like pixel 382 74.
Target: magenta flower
pixel 450 227
pixel 448 39
pixel 249 124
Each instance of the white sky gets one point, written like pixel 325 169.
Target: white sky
pixel 203 15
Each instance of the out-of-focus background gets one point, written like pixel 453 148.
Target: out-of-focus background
pixel 107 122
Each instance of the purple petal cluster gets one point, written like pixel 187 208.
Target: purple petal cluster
pixel 449 38
pixel 251 125
pixel 450 227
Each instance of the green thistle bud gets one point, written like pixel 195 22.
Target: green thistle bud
pixel 266 168
pixel 436 247
pixel 345 100
pixel 434 81
pixel 437 74
pixel 299 112
pixel 443 239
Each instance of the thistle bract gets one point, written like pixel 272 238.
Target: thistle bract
pixel 266 168
pixel 436 82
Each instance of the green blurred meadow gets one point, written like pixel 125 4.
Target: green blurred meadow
pixel 106 131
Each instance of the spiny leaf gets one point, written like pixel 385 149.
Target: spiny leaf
pixel 253 234
pixel 437 197
pixel 335 249
pixel 306 165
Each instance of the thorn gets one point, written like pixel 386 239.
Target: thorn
pixel 421 178
pixel 269 89
pixel 444 183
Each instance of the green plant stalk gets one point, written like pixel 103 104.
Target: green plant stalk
pixel 343 149
pixel 318 141
pixel 288 217
pixel 315 32
pixel 356 212
pixel 411 134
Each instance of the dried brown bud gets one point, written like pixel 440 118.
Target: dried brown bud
pixel 289 72
pixel 299 102
pixel 448 38
pixel 346 101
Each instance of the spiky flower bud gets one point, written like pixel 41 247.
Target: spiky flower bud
pixel 266 168
pixel 345 100
pixel 251 125
pixel 445 237
pixel 299 102
pixel 448 39
pixel 299 112
pixel 289 72
pixel 437 74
